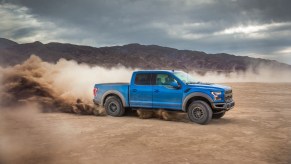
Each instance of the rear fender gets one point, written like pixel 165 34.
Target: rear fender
pixel 113 92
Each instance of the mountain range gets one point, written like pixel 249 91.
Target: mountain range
pixel 132 56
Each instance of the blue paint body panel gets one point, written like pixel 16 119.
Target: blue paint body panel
pixel 166 97
pixel 156 95
pixel 141 96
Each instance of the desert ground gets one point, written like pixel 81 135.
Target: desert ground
pixel 257 130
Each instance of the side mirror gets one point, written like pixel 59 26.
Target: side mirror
pixel 175 85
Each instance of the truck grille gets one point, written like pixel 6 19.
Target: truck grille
pixel 228 96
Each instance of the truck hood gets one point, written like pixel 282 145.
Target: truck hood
pixel 210 86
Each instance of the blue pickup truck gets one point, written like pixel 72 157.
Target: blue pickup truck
pixel 166 89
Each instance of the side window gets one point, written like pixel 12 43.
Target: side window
pixel 164 79
pixel 143 79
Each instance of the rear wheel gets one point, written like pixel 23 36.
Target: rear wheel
pixel 218 116
pixel 199 112
pixel 114 107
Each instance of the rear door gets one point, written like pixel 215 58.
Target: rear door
pixel 141 91
pixel 164 95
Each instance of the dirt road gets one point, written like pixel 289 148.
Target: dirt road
pixel 257 130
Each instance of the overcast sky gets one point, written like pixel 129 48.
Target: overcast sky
pixel 256 28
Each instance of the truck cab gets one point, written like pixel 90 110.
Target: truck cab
pixel 166 89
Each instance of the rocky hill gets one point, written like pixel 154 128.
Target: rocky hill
pixel 132 55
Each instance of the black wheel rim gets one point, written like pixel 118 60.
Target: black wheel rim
pixel 113 107
pixel 197 113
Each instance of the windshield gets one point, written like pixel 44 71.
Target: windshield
pixel 185 77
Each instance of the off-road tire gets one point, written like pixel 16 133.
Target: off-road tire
pixel 218 116
pixel 114 107
pixel 199 112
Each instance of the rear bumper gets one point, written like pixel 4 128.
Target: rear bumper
pixel 223 106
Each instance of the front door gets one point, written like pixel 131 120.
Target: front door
pixel 141 92
pixel 164 95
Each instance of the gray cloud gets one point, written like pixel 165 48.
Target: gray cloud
pixel 259 28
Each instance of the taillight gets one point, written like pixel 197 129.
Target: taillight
pixel 95 90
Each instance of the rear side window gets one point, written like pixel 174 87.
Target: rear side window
pixel 143 79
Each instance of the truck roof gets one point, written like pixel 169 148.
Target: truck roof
pixel 149 71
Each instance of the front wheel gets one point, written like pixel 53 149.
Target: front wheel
pixel 199 112
pixel 114 107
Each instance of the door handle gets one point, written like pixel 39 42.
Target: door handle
pixel 156 91
pixel 134 90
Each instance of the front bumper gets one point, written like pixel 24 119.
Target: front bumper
pixel 223 106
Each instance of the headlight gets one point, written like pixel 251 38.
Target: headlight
pixel 216 95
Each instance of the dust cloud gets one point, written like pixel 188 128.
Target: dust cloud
pixel 260 74
pixel 65 86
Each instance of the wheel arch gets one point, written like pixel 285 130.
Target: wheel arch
pixel 113 93
pixel 196 96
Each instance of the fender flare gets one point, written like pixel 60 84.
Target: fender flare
pixel 113 92
pixel 196 94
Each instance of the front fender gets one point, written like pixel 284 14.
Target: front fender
pixel 195 94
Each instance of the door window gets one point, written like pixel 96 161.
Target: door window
pixel 163 79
